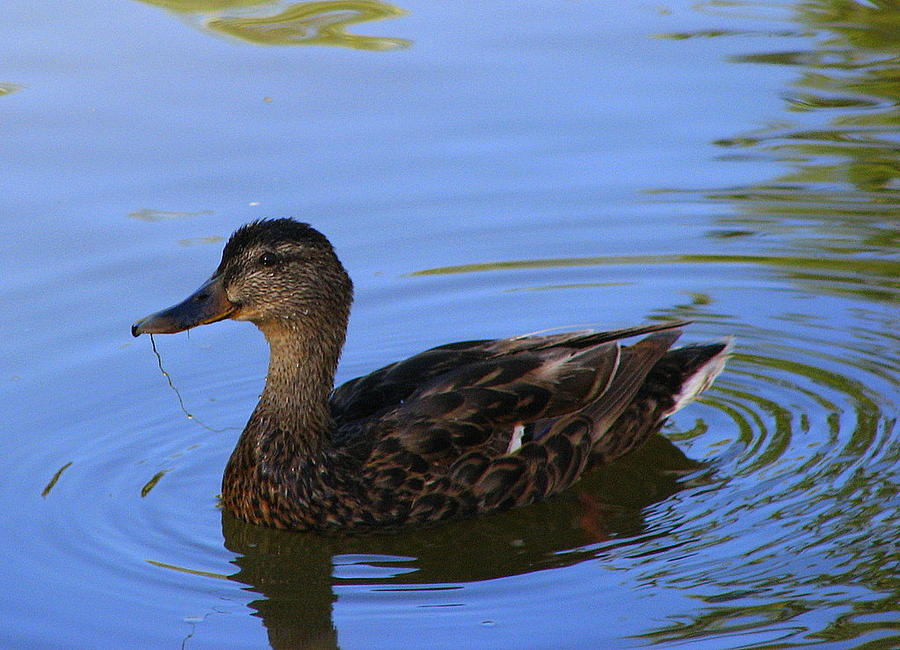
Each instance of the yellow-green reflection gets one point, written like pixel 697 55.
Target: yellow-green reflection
pixel 849 163
pixel 300 23
pixel 195 6
pixel 315 23
pixel 837 137
pixel 874 279
pixel 149 485
pixel 9 88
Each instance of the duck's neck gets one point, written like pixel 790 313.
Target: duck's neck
pixel 294 404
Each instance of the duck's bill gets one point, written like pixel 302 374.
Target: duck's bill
pixel 207 304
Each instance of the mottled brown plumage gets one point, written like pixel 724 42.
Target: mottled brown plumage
pixel 457 430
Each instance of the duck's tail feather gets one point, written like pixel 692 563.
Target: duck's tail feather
pixel 655 382
pixel 635 364
pixel 676 379
pixel 701 365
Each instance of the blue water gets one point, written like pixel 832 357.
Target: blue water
pixel 483 170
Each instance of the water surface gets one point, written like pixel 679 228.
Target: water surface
pixel 484 170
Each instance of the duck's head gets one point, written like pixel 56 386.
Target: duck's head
pixel 280 274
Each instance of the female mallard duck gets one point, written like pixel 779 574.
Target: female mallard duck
pixel 460 429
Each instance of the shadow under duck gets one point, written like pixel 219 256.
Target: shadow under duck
pixel 460 429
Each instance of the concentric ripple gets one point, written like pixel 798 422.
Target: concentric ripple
pixel 798 511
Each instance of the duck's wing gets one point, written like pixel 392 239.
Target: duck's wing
pixel 452 446
pixel 386 388
pixel 490 405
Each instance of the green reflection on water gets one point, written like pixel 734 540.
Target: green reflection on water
pixel 769 446
pixel 315 23
pixel 866 409
pixel 149 485
pixel 886 268
pixel 190 6
pixel 838 199
pixel 729 621
pixel 9 88
pixel 572 285
pixel 844 156
pixel 875 279
pixel 302 23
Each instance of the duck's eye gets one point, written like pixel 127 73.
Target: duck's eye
pixel 268 259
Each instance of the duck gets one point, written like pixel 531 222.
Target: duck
pixel 458 430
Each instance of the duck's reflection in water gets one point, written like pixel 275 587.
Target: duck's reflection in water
pixel 294 573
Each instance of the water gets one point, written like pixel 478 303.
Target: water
pixel 484 170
